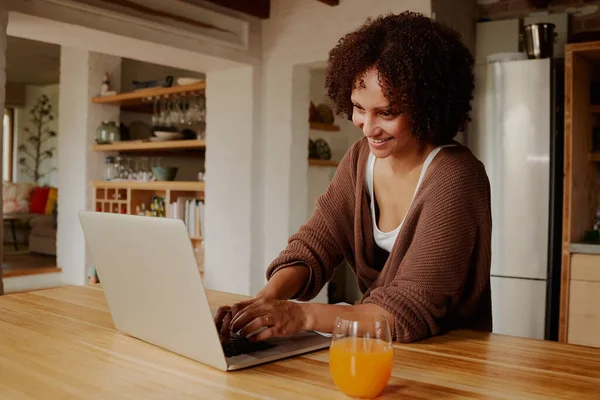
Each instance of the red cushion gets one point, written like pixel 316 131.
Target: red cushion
pixel 39 198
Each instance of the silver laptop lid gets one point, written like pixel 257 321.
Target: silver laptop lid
pixel 152 285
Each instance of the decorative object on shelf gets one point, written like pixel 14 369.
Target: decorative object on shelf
pixel 321 113
pixel 164 173
pixel 321 118
pixel 325 114
pixel 37 149
pixel 105 89
pixel 182 81
pixel 313 114
pixel 322 149
pixel 202 176
pixel 124 132
pixel 141 85
pixel 139 130
pixel 312 149
pixel 108 132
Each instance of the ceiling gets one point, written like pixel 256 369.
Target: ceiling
pixel 31 62
pixel 256 8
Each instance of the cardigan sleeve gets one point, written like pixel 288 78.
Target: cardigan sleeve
pixel 453 227
pixel 317 242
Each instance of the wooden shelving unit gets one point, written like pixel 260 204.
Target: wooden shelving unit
pixel 322 163
pixel 318 126
pixel 141 100
pixel 143 145
pixel 124 197
pixel 580 186
pixel 156 185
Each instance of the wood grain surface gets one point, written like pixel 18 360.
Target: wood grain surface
pixel 61 344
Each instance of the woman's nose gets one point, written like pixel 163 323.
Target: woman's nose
pixel 369 126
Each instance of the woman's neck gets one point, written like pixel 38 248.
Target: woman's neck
pixel 409 157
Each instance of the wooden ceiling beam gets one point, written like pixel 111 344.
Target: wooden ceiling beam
pixel 256 8
pixel 330 2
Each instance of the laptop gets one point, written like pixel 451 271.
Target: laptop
pixel 154 291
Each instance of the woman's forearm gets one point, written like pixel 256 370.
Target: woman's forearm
pixel 286 283
pixel 321 317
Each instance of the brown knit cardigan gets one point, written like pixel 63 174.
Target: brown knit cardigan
pixel 437 276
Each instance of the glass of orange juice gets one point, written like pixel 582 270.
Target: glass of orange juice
pixel 361 354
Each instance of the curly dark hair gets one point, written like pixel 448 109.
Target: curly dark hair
pixel 424 69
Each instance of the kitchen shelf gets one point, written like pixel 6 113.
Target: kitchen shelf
pixel 139 96
pixel 156 185
pixel 322 163
pixel 595 156
pixel 318 126
pixel 142 145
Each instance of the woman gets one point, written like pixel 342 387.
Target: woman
pixel 408 208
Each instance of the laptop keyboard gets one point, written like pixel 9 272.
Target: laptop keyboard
pixel 237 345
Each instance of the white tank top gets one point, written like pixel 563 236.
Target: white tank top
pixel 386 240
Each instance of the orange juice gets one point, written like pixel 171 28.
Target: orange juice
pixel 361 367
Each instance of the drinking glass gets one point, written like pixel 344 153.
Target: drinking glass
pixel 361 354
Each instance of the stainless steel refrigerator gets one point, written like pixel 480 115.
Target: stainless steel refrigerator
pixel 517 132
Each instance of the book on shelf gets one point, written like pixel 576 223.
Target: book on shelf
pixel 191 212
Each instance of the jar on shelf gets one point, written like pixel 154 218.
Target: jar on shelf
pixel 111 170
pixel 108 132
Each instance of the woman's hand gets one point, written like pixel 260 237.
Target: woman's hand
pixel 279 317
pixel 225 315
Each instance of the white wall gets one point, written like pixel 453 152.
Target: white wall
pixel 460 15
pixel 80 74
pixel 231 100
pixel 299 32
pixel 23 116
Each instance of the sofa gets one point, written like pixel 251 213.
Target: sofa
pixel 37 207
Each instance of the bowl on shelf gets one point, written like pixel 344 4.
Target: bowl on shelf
pixel 165 135
pixel 164 173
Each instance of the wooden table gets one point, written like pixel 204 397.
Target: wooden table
pixel 61 343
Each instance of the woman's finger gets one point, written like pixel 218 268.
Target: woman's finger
pixel 264 335
pixel 256 324
pixel 220 314
pixel 226 327
pixel 244 317
pixel 237 307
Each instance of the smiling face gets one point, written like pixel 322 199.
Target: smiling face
pixel 388 130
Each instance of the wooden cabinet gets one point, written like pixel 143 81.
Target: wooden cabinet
pixel 126 196
pixel 580 293
pixel 584 300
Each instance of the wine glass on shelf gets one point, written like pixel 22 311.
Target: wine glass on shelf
pixel 155 114
pixel 361 355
